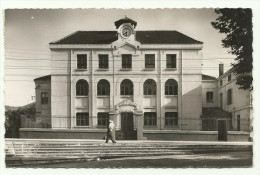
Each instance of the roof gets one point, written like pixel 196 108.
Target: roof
pixel 207 77
pixel 144 37
pixel 215 113
pixel 47 77
pixel 125 20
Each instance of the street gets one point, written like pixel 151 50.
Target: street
pixel 237 159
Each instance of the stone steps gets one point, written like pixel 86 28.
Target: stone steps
pixel 89 149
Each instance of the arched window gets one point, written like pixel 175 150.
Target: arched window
pixel 103 87
pixel 82 88
pixel 149 87
pixel 126 87
pixel 171 87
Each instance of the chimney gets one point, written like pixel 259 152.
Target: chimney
pixel 221 69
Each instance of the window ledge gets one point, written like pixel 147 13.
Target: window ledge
pixel 170 96
pixel 103 69
pixel 81 69
pixel 126 69
pixel 126 96
pixel 103 96
pixel 82 96
pixel 149 69
pixel 149 96
pixel 170 69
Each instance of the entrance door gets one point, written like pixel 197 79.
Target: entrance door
pixel 127 126
pixel 222 130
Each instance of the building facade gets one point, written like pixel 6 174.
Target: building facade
pixel 148 82
pixel 226 106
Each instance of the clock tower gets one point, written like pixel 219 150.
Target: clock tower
pixel 126 42
pixel 125 28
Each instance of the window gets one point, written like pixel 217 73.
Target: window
pixel 103 118
pixel 126 61
pixel 238 122
pixel 171 118
pixel 209 96
pixel 44 98
pixel 149 61
pixel 149 87
pixel 103 61
pixel 229 97
pixel 82 61
pixel 103 87
pixel 221 83
pixel 82 119
pixel 171 87
pixel 126 87
pixel 82 88
pixel 150 119
pixel 209 124
pixel 171 61
pixel 229 78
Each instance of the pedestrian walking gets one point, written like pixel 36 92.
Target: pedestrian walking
pixel 110 133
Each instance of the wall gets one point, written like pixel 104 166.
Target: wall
pixel 182 135
pixel 241 101
pixel 60 89
pixel 209 86
pixel 43 111
pixel 191 90
pixel 62 133
pixel 100 134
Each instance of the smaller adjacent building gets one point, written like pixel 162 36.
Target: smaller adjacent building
pixel 226 108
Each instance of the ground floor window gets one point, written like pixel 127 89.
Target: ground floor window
pixel 171 118
pixel 82 119
pixel 103 118
pixel 150 119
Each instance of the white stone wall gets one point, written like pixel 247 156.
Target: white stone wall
pixel 60 89
pixel 209 86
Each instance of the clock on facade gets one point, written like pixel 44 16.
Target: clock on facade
pixel 126 32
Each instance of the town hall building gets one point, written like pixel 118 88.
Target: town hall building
pixel 149 83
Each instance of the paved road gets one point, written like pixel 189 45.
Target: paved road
pixel 209 160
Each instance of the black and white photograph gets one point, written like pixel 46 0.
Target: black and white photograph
pixel 122 88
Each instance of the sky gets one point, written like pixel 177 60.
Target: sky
pixel 28 32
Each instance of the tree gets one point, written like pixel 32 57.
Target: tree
pixel 13 118
pixel 237 25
